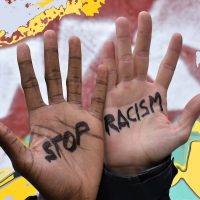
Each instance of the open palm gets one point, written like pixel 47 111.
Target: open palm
pixel 138 132
pixel 65 157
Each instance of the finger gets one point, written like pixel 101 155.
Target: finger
pixel 99 95
pixel 74 80
pixel 168 64
pixel 109 62
pixel 142 45
pixel 16 151
pixel 190 114
pixel 52 68
pixel 28 79
pixel 125 58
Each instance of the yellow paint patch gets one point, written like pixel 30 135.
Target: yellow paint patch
pixel 18 189
pixel 44 3
pixel 4 173
pixel 91 7
pixel 40 22
pixel 196 127
pixel 190 171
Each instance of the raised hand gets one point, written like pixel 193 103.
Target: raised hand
pixel 65 156
pixel 138 132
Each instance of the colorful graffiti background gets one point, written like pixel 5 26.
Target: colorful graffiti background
pixel 168 17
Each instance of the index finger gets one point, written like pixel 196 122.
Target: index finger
pixel 168 64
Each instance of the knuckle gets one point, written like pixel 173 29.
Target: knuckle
pixel 30 83
pixel 76 58
pixel 51 50
pixel 76 93
pixel 97 99
pixel 74 79
pixel 75 63
pixel 126 58
pixel 74 88
pixel 56 98
pixel 25 62
pixel 142 53
pixel 53 75
pixel 101 82
pixel 125 78
pixel 168 67
pixel 123 36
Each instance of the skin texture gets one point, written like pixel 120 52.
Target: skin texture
pixel 149 141
pixel 74 175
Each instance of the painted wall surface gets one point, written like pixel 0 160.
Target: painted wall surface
pixel 168 17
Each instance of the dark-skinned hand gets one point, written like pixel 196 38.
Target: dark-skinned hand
pixel 65 158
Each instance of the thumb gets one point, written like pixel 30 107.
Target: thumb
pixel 16 151
pixel 190 115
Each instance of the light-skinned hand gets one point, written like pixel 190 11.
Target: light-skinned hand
pixel 139 134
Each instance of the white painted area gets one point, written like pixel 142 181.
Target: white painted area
pixel 183 87
pixel 169 17
pixel 9 78
pixel 198 58
pixel 11 20
pixel 177 16
pixel 5 161
pixel 92 33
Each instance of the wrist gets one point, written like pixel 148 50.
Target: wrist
pixel 131 171
pixel 151 184
pixel 126 171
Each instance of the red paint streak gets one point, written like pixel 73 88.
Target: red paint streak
pixel 17 119
pixel 16 35
pixel 27 5
pixel 9 1
pixel 172 115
